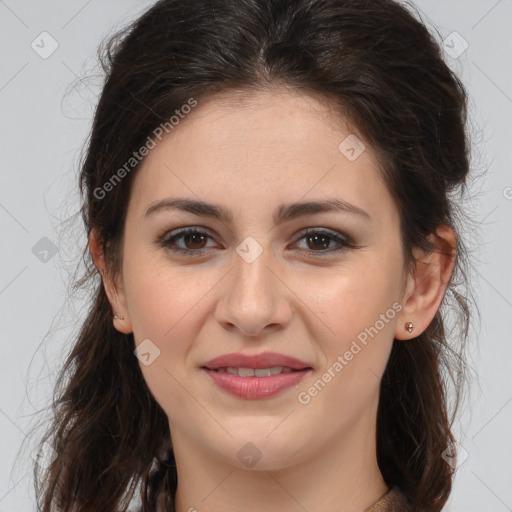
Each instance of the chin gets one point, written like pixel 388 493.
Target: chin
pixel 256 450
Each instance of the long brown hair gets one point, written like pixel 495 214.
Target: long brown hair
pixel 386 72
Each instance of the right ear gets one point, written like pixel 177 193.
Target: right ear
pixel 115 290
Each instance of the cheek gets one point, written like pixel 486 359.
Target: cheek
pixel 352 299
pixel 167 307
pixel 162 297
pixel 359 309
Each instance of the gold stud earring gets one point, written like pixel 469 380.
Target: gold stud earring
pixel 409 326
pixel 116 317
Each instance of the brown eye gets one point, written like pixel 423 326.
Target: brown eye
pixel 191 241
pixel 320 242
pixel 194 240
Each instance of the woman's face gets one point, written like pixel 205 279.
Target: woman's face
pixel 253 282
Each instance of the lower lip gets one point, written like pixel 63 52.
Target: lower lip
pixel 255 388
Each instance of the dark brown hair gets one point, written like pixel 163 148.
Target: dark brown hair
pixel 382 67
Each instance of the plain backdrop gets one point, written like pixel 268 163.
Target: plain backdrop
pixel 48 91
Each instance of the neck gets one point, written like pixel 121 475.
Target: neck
pixel 342 476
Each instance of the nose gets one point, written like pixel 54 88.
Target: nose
pixel 254 300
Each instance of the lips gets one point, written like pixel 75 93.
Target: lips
pixel 264 360
pixel 255 372
pixel 255 377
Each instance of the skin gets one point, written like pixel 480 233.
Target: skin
pixel 250 154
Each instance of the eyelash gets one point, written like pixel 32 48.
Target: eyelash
pixel 167 241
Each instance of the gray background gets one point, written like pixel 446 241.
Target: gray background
pixel 45 119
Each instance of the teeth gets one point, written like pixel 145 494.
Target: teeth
pixel 262 372
pixel 275 370
pixel 255 372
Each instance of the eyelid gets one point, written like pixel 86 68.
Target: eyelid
pixel 343 241
pixel 325 231
pixel 163 240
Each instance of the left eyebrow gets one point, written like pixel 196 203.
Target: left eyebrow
pixel 287 212
pixel 284 212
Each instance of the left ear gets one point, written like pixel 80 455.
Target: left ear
pixel 426 285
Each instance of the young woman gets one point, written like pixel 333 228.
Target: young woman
pixel 268 199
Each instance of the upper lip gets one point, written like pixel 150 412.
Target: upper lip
pixel 263 360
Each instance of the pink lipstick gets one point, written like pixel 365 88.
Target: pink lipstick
pixel 257 376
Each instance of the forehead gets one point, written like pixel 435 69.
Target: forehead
pixel 261 145
pixel 262 115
